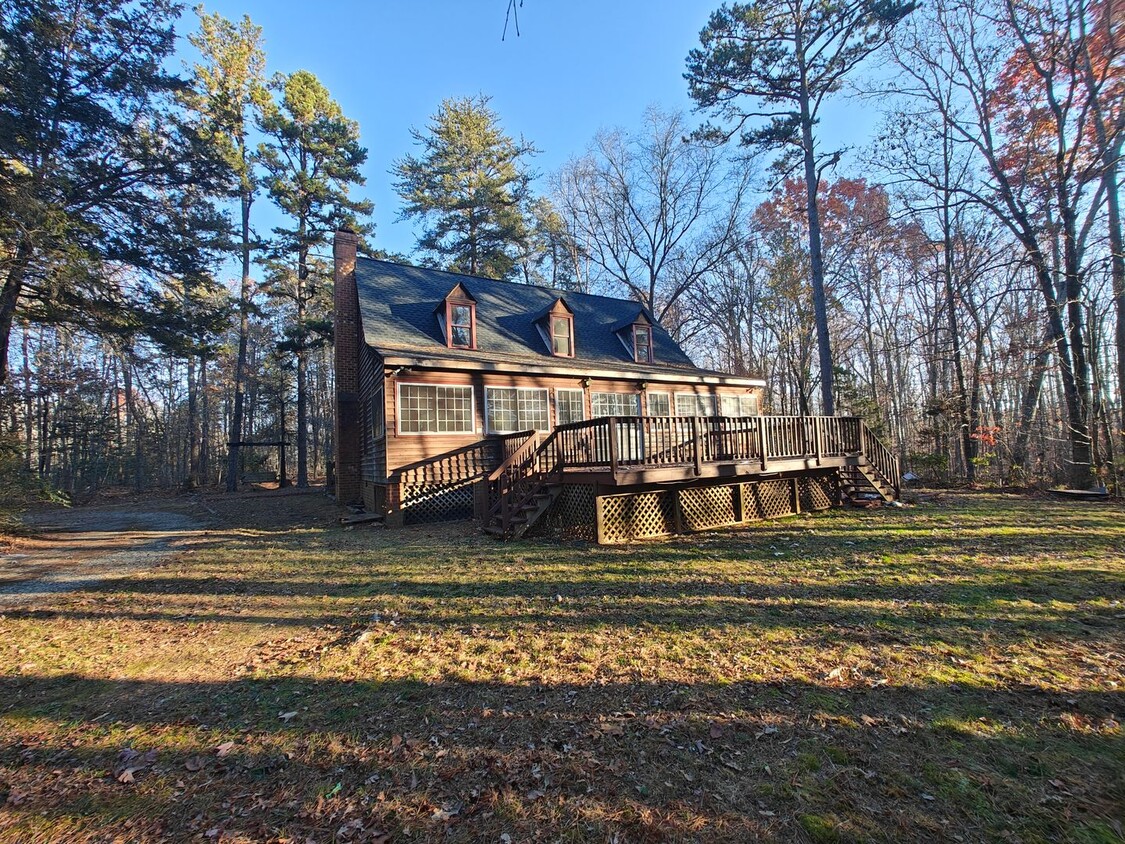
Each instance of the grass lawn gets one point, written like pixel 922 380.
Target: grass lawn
pixel 947 672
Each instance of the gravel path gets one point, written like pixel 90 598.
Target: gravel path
pixel 80 547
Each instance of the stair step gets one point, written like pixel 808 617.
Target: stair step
pixel 492 529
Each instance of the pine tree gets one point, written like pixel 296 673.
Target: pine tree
pixel 470 186
pixel 312 160
pixel 90 144
pixel 228 90
pixel 786 58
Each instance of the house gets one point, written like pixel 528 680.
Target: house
pixel 466 397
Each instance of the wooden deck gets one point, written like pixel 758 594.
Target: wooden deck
pixel 633 452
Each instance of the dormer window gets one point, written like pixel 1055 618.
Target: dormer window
pixel 555 324
pixel 461 323
pixel 458 318
pixel 562 336
pixel 642 343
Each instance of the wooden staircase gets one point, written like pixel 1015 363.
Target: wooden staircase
pixel 875 476
pixel 523 488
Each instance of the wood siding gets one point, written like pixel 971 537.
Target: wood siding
pixel 373 468
pixel 404 449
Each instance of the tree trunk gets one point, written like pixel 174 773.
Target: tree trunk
pixel 816 265
pixel 245 294
pixel 9 299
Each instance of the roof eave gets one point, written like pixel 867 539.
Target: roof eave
pixel 576 369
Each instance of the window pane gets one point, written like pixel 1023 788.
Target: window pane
pixel 560 336
pixel 378 421
pixel 730 406
pixel 749 405
pixel 690 404
pixel 615 404
pixel 501 403
pixel 462 335
pixel 511 410
pixel 642 340
pixel 461 315
pixel 571 407
pixel 532 406
pixel 424 409
pixel 659 404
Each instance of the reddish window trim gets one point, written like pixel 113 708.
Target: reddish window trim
pixel 647 328
pixel 551 333
pixel 450 304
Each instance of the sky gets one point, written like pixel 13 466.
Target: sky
pixel 576 66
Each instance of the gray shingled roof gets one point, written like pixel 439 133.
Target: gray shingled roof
pixel 397 305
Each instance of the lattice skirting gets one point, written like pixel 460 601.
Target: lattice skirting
pixel 645 515
pixel 709 506
pixel 573 514
pixel 638 515
pixel 817 493
pixel 423 504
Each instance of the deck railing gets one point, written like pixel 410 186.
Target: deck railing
pixel 618 443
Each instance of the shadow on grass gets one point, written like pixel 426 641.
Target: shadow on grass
pixel 467 761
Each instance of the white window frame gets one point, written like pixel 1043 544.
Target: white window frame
pixel 547 405
pixel 667 395
pixel 582 401
pixel 593 394
pixel 695 397
pixel 398 410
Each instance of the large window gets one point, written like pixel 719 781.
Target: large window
pixel 693 404
pixel 615 404
pixel 659 404
pixel 510 409
pixel 570 406
pixel 739 405
pixel 562 336
pixel 435 409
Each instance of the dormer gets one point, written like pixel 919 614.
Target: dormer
pixel 636 336
pixel 457 316
pixel 556 327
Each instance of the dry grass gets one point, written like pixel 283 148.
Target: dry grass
pixel 947 672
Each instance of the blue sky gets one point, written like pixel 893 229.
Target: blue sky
pixel 577 66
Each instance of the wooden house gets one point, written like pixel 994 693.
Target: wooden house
pixel 462 397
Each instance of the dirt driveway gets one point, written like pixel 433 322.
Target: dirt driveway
pixel 80 546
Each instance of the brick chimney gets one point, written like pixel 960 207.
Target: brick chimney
pixel 347 339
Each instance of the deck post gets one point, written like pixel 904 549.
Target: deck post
pixel 762 441
pixel 612 425
pixel 696 445
pixel 817 430
pixel 796 497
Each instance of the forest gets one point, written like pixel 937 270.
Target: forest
pixel 958 280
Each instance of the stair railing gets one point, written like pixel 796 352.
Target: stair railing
pixel 530 468
pixel 881 459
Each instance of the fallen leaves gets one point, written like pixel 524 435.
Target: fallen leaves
pixel 130 762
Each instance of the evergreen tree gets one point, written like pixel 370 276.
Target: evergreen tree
pixel 89 143
pixel 228 90
pixel 470 186
pixel 312 159
pixel 786 58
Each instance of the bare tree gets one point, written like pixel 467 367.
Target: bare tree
pixel 653 212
